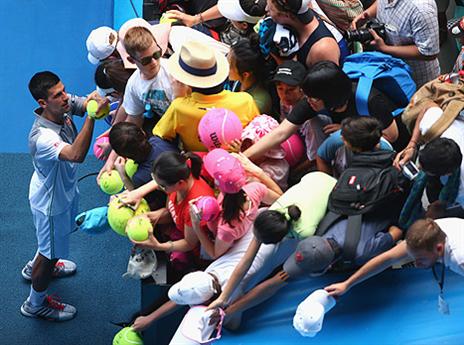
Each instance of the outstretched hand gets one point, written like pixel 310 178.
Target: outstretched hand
pixel 337 289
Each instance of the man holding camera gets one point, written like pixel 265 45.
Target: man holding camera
pixel 411 33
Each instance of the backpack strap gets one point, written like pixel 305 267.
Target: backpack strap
pixel 352 236
pixel 329 219
pixel 362 95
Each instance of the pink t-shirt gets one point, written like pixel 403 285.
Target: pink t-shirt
pixel 255 192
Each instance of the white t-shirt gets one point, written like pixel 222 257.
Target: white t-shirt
pixel 149 96
pixel 455 132
pixel 454 246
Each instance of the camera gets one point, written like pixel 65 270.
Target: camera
pixel 363 35
pixel 410 170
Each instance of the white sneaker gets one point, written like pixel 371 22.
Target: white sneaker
pixel 51 310
pixel 63 268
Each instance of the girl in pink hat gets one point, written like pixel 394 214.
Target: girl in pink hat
pixel 239 198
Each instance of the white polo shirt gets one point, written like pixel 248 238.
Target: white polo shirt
pixel 53 185
pixel 454 245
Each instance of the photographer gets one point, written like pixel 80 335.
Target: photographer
pixel 411 33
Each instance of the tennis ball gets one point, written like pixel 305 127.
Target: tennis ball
pixel 118 216
pixel 92 107
pixel 127 336
pixel 131 167
pixel 137 228
pixel 143 208
pixel 111 183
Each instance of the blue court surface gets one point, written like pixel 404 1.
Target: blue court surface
pixel 396 307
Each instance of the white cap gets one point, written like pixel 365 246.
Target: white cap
pixel 101 43
pixel 194 288
pixel 239 10
pixel 310 313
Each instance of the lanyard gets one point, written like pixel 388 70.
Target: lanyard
pixel 441 281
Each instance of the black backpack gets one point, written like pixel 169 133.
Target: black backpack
pixel 368 185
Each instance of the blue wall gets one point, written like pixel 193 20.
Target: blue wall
pixel 43 35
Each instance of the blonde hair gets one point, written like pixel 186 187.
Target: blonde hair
pixel 424 234
pixel 138 39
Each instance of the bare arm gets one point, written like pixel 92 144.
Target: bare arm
pixel 77 151
pixel 259 293
pixel 143 322
pixel 391 132
pixel 189 20
pixel 237 275
pixel 323 166
pixel 370 269
pixel 133 197
pixel 271 140
pixel 325 49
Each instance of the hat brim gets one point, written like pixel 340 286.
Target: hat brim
pixel 231 10
pixel 178 73
pixel 159 31
pixel 181 34
pixel 92 59
pixel 285 79
pixel 292 268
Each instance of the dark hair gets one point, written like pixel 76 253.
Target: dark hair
pixel 41 82
pixel 273 226
pixel 327 81
pixel 362 133
pixel 172 167
pixel 232 206
pixel 440 156
pixel 248 57
pixel 128 140
pixel 112 74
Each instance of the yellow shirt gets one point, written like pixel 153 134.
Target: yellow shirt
pixel 184 114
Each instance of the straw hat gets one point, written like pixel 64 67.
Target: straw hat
pixel 198 65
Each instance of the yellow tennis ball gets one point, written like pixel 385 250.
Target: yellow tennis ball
pixel 111 183
pixel 118 216
pixel 131 167
pixel 137 228
pixel 142 208
pixel 127 336
pixel 92 107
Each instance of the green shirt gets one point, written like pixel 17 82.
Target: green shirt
pixel 311 196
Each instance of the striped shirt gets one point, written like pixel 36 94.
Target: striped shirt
pixel 413 22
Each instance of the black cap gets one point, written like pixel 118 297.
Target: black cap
pixel 299 8
pixel 290 72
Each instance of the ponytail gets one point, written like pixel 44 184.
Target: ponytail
pixel 172 167
pixel 273 226
pixel 232 206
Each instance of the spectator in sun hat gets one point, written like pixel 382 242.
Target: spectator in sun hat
pixel 205 71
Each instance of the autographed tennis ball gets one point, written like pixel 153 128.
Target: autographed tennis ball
pixel 127 336
pixel 111 183
pixel 118 216
pixel 131 167
pixel 143 208
pixel 92 107
pixel 137 228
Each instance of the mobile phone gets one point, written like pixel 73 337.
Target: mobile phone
pixel 410 170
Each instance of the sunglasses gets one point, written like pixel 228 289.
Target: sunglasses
pixel 147 59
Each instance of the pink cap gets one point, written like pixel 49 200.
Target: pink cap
pixel 209 208
pixel 226 170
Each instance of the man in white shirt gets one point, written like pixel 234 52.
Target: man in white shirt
pixel 56 146
pixel 427 242
pixel 149 91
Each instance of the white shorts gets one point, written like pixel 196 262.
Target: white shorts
pixel 53 232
